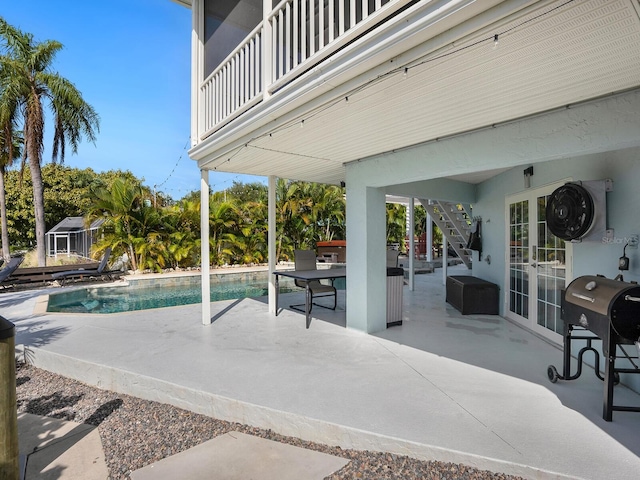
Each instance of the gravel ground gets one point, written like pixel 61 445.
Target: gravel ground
pixel 137 432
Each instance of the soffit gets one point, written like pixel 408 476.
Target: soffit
pixel 580 50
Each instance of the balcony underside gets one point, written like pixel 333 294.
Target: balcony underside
pixel 360 103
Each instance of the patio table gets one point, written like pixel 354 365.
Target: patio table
pixel 307 275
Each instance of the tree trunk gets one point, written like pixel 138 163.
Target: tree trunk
pixel 132 252
pixel 38 206
pixel 6 251
pixel 134 261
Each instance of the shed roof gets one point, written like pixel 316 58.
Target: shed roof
pixel 74 224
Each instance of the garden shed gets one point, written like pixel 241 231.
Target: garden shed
pixel 72 237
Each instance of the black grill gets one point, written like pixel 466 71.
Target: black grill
pixel 610 309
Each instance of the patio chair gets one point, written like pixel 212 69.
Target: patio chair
pixel 100 272
pixel 306 260
pixel 5 274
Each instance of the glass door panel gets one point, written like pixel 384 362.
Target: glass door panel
pixel 550 272
pixel 538 264
pixel 519 258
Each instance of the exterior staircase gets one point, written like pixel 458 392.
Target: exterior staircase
pixel 454 222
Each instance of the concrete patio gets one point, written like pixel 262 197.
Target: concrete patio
pixel 468 389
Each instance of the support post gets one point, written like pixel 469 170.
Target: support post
pixel 9 468
pixel 429 240
pixel 271 236
pixel 412 244
pixel 445 258
pixel 366 271
pixel 204 247
pixel 197 69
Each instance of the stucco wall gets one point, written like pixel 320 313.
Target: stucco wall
pixel 589 258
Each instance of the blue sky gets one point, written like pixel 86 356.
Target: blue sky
pixel 131 61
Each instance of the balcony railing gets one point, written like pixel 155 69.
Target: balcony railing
pixel 235 85
pixel 297 34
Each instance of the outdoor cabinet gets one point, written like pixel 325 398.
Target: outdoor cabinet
pixel 395 284
pixel 472 295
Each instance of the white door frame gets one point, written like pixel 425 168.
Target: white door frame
pixel 530 262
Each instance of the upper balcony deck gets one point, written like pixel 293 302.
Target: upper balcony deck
pixel 295 36
pixel 369 78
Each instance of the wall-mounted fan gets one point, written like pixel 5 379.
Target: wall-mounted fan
pixel 576 211
pixel 569 212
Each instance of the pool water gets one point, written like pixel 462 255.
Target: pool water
pixel 145 295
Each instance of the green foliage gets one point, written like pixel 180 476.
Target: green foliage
pixel 419 220
pixel 122 207
pixel 66 194
pixel 396 224
pixel 183 223
pixel 167 234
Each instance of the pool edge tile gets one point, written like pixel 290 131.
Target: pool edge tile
pixel 42 302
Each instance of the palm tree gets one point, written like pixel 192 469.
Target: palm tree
pixel 329 212
pixel 223 220
pixel 253 244
pixel 152 242
pixel 28 78
pixel 293 209
pixel 184 239
pixel 10 150
pixel 119 205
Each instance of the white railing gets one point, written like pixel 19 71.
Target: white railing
pixel 304 28
pixel 302 33
pixel 236 84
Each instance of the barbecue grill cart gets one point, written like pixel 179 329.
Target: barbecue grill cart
pixel 610 309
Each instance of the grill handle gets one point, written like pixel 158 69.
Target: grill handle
pixel 629 298
pixel 584 297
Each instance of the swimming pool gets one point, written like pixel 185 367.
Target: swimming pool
pixel 143 294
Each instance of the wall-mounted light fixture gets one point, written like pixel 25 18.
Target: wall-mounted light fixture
pixel 528 173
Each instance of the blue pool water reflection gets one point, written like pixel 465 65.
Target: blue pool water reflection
pixel 163 292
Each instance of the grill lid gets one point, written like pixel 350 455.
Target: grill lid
pixel 598 294
pixel 599 303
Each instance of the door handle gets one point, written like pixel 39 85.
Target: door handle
pixel 534 265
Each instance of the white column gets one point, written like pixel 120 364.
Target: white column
pixel 366 255
pixel 267 49
pixel 445 258
pixel 412 244
pixel 271 238
pixel 204 247
pixel 197 68
pixel 429 243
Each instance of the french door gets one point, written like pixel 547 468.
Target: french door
pixel 538 264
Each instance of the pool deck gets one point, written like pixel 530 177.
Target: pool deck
pixel 470 389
